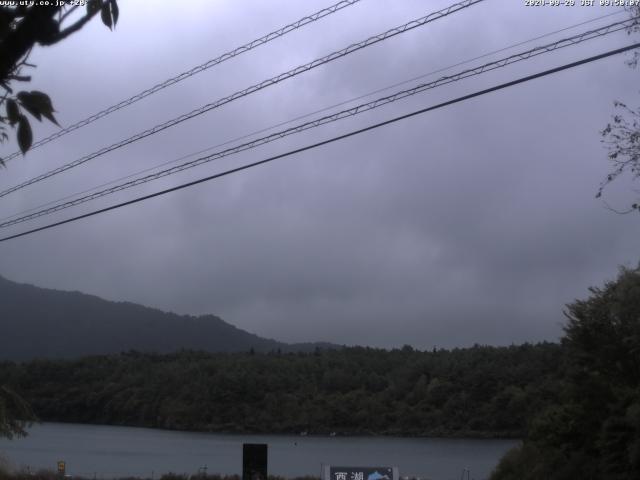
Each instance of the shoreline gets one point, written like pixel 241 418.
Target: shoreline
pixel 466 435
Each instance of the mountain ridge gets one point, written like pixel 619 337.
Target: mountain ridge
pixel 40 322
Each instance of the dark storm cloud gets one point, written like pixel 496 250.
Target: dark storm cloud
pixel 474 223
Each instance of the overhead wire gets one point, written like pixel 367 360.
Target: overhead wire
pixel 431 17
pixel 490 66
pixel 306 115
pixel 331 140
pixel 193 71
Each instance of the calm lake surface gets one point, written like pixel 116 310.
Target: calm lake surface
pixel 108 452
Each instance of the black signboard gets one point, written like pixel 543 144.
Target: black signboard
pixel 254 461
pixel 361 473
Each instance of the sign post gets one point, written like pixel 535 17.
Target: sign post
pixel 254 461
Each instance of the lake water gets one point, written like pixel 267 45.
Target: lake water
pixel 106 452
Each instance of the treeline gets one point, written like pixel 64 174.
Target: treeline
pixel 51 475
pixel 479 391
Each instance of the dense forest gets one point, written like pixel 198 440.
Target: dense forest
pixel 479 391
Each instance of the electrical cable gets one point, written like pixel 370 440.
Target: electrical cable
pixel 193 71
pixel 254 88
pixel 333 139
pixel 306 115
pixel 570 41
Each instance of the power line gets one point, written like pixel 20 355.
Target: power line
pixel 254 88
pixel 573 40
pixel 333 139
pixel 306 115
pixel 194 71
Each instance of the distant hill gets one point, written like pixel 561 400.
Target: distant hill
pixel 43 323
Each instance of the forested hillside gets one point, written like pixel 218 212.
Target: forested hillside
pixel 43 323
pixel 480 391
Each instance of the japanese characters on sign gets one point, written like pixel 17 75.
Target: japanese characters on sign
pixel 362 473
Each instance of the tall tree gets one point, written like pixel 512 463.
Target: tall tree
pixel 593 430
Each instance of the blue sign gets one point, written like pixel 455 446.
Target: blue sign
pixel 361 473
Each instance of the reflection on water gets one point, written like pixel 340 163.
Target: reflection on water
pixel 105 452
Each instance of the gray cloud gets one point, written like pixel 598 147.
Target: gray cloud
pixel 474 223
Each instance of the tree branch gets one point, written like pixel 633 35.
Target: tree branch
pixel 20 78
pixel 66 14
pixel 70 29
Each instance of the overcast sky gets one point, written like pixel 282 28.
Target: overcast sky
pixel 472 223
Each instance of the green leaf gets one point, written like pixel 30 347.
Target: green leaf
pixel 25 137
pixel 115 11
pixel 37 104
pixel 42 101
pixel 109 12
pixel 13 112
pixel 29 105
pixel 50 117
pixel 2 162
pixel 105 13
